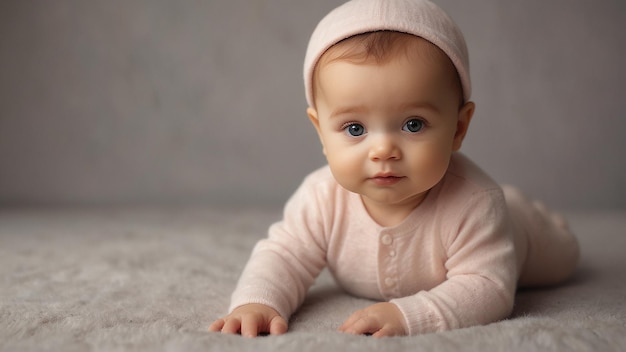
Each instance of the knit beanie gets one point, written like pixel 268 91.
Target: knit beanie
pixel 421 18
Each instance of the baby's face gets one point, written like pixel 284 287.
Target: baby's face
pixel 388 130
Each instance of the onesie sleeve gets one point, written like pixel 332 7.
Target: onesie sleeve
pixel 283 266
pixel 481 270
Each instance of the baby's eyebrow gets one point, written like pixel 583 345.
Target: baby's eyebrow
pixel 347 110
pixel 407 107
pixel 419 105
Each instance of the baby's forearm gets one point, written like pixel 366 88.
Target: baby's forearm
pixel 459 302
pixel 277 277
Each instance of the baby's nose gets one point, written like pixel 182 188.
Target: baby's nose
pixel 383 147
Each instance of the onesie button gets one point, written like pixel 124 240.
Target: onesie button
pixel 387 240
pixel 392 253
pixel 389 282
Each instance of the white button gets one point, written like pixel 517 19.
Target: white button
pixel 389 281
pixel 387 240
pixel 392 253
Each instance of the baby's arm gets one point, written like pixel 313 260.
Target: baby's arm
pixel 251 320
pixel 481 271
pixel 280 270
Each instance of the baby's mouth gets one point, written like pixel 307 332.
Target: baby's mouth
pixel 386 179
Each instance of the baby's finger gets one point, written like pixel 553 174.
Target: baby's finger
pixel 278 326
pixel 217 325
pixel 385 332
pixel 231 326
pixel 249 326
pixel 350 321
pixel 364 325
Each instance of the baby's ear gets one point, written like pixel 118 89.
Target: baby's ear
pixel 312 113
pixel 465 117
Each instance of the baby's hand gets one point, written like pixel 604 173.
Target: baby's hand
pixel 251 320
pixel 380 319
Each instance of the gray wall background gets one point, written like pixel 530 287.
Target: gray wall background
pixel 154 101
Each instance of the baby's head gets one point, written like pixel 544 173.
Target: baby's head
pixel 419 18
pixel 382 47
pixel 387 83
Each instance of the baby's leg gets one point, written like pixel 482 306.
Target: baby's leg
pixel 552 250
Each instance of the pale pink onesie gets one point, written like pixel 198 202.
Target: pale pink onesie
pixel 454 262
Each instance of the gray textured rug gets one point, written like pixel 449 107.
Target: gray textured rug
pixel 152 279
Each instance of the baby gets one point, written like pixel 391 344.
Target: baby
pixel 398 215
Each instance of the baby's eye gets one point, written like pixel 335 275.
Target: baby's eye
pixel 413 126
pixel 355 129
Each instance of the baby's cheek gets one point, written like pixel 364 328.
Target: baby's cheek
pixel 342 161
pixel 434 163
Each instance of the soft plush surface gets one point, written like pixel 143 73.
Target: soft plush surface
pixel 153 278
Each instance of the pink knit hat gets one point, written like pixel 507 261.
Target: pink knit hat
pixel 418 17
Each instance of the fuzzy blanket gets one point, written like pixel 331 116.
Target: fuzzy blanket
pixel 152 279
